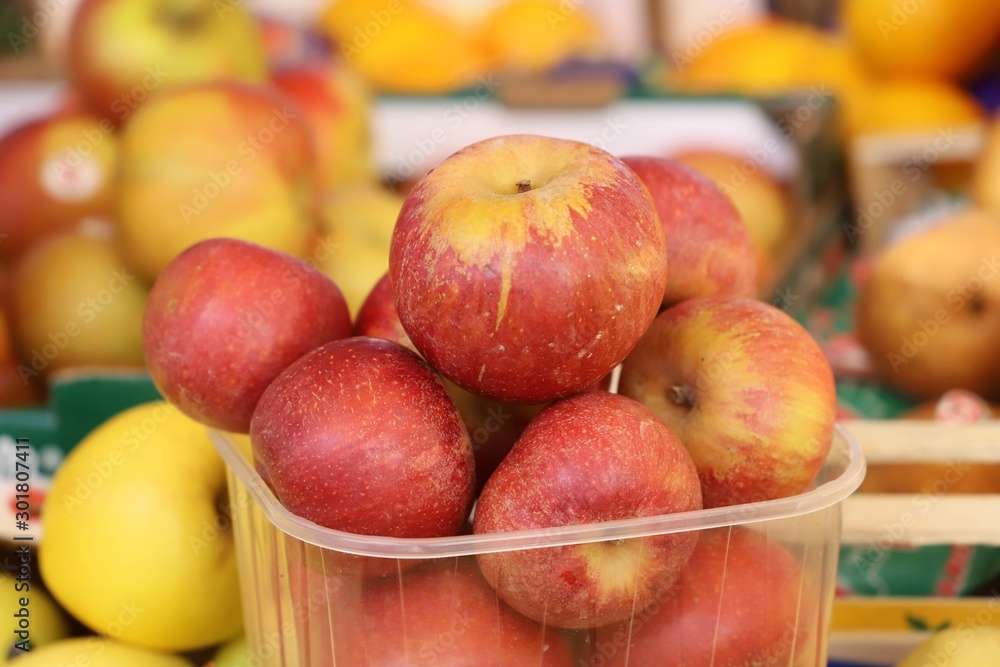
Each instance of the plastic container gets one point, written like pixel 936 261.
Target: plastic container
pixel 758 591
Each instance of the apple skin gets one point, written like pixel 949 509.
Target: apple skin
pixel 54 172
pixel 709 248
pixel 360 436
pixel 226 318
pixel 593 457
pixel 337 104
pixel 493 426
pixel 734 605
pixel 442 615
pixel 122 52
pixel 531 296
pixel 244 167
pixel 746 389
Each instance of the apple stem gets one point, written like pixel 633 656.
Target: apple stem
pixel 683 395
pixel 523 186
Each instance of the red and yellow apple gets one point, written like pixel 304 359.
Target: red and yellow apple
pixel 359 435
pixel 337 105
pixel 54 172
pixel 736 604
pixel 708 248
pixel 593 457
pixel 746 389
pixel 525 268
pixel 123 52
pixel 226 318
pixel 242 165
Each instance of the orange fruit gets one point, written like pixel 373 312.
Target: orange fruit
pixel 535 35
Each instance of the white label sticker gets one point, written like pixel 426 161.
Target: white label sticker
pixel 71 177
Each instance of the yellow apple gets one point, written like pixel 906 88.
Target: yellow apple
pixel 138 541
pixel 97 652
pixel 353 249
pixel 210 161
pixel 75 304
pixel 968 645
pixel 47 623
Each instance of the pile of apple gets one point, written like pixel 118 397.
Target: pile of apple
pixel 523 271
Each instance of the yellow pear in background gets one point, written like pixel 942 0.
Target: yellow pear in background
pixel 97 652
pixel 138 541
pixel 962 646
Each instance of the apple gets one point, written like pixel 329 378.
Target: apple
pixel 337 104
pixel 968 644
pixel 708 246
pixel 356 226
pixel 929 331
pixel 736 604
pixel 54 172
pixel 138 542
pixel 525 268
pixel 493 426
pixel 446 615
pixel 243 167
pixel 747 390
pixel 122 52
pixel 593 457
pixel 74 303
pixel 98 652
pixel 226 318
pixel 360 436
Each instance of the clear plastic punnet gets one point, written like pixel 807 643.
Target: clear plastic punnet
pixel 756 592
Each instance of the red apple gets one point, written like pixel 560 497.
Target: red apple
pixel 225 318
pixel 709 248
pixel 443 615
pixel 745 387
pixel 359 435
pixel 735 605
pixel 122 52
pixel 593 457
pixel 493 426
pixel 525 268
pixel 54 172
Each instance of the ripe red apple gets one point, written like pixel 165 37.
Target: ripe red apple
pixel 493 426
pixel 54 172
pixel 442 615
pixel 593 457
pixel 225 318
pixel 746 389
pixel 735 605
pixel 359 435
pixel 709 248
pixel 122 52
pixel 525 268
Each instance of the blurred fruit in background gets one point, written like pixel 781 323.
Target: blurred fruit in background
pixel 758 197
pixel 122 52
pixel 404 46
pixel 241 164
pixel 75 304
pixel 911 105
pixel 945 39
pixel 15 390
pixel 929 314
pixel 94 652
pixel 537 35
pixel 138 540
pixel 48 623
pixel 233 654
pixel 966 645
pixel 986 179
pixel 54 171
pixel 338 106
pixel 356 226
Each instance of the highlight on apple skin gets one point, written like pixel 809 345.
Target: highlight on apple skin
pixel 593 457
pixel 747 390
pixel 225 318
pixel 525 268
